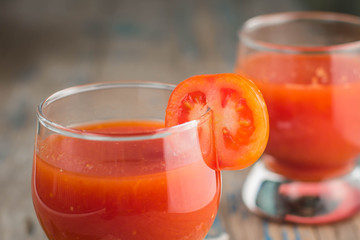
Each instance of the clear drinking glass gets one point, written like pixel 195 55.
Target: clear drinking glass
pixel 307 65
pixel 106 168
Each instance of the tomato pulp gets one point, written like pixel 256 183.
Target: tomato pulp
pixel 313 111
pixel 84 189
pixel 239 118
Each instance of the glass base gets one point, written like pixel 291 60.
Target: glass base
pixel 273 196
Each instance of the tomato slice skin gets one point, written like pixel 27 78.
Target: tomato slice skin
pixel 240 122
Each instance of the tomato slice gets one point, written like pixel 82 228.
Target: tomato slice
pixel 240 121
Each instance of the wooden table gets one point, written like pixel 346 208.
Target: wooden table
pixel 46 46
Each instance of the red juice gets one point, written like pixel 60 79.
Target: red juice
pixel 85 189
pixel 313 103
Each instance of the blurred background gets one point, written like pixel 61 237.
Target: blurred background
pixel 48 45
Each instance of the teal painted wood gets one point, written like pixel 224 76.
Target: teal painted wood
pixel 217 231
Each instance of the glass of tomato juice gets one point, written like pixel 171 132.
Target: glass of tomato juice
pixel 106 168
pixel 307 66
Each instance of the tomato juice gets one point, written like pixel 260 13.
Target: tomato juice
pixel 86 189
pixel 313 103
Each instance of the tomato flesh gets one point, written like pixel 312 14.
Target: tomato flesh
pixel 240 119
pixel 232 100
pixel 193 106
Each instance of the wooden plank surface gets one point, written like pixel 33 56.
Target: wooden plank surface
pixel 46 46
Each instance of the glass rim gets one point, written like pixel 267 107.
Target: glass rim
pixel 75 133
pixel 283 17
